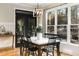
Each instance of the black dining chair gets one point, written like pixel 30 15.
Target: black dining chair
pixel 21 45
pixel 29 47
pixel 52 39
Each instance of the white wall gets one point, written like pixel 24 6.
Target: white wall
pixel 69 49
pixel 7 18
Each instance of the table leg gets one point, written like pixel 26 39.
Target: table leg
pixel 13 42
pixel 58 48
pixel 39 51
pixel 21 52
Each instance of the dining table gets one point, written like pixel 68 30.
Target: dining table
pixel 44 42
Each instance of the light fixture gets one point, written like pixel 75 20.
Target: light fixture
pixel 37 11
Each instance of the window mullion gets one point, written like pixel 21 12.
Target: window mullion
pixel 68 26
pixel 55 27
pixel 46 21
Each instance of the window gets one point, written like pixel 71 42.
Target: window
pixel 51 18
pixel 65 22
pixel 51 22
pixel 62 23
pixel 50 29
pixel 62 30
pixel 75 14
pixel 62 16
pixel 74 28
pixel 75 34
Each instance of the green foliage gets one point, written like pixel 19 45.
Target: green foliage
pixel 39 29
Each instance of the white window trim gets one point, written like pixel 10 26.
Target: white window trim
pixel 69 20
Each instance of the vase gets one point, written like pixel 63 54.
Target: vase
pixel 39 36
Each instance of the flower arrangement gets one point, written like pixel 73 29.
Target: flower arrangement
pixel 39 29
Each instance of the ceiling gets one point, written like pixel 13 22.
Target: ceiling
pixel 41 5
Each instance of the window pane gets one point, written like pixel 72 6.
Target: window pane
pixel 50 29
pixel 51 18
pixel 62 16
pixel 62 30
pixel 75 34
pixel 75 15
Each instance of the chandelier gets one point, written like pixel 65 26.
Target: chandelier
pixel 37 11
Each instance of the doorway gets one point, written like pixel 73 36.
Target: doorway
pixel 28 22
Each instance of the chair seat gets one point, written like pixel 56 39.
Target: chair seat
pixel 33 48
pixel 47 49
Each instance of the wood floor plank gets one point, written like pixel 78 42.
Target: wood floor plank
pixel 16 52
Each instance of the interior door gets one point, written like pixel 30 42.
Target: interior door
pixel 29 22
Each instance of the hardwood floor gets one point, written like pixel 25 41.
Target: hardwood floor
pixel 15 52
pixel 9 52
